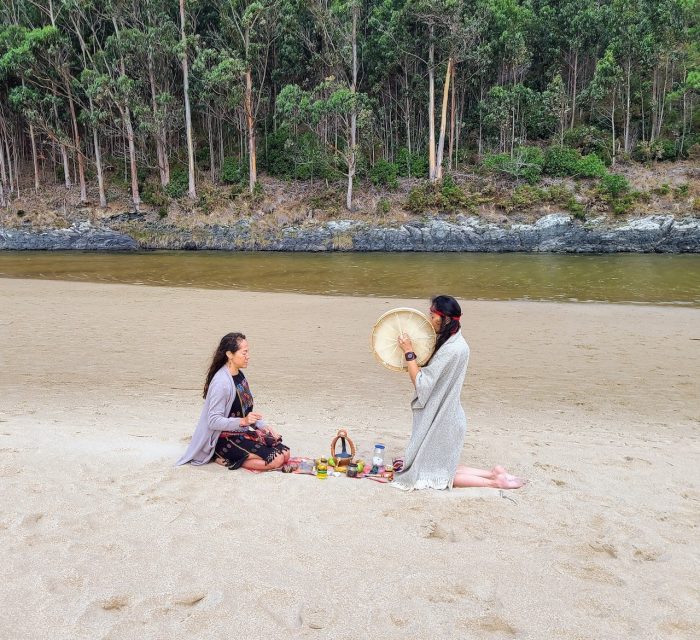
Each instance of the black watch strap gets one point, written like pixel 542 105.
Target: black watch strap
pixel 409 355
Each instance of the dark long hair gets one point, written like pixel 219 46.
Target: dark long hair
pixel 230 342
pixel 450 315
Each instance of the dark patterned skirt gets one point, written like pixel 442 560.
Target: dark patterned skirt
pixel 236 447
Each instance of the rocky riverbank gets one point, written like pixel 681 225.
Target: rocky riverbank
pixel 556 232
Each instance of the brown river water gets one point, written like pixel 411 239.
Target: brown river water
pixel 628 278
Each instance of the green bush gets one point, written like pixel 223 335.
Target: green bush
pixel 661 149
pixel 694 151
pixel 412 165
pixel 179 182
pixel 590 166
pixel 385 174
pixel 681 191
pixel 526 163
pixel 614 185
pixel 445 196
pixel 298 158
pixel 561 161
pixel 576 208
pixel 588 139
pixel 623 205
pixel 524 197
pixel 155 196
pixel 383 206
pixel 663 190
pixel 233 171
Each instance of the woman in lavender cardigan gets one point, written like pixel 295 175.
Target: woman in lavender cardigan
pixel 228 430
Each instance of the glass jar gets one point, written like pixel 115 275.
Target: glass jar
pixel 378 455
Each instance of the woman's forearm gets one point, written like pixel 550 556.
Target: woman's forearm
pixel 413 370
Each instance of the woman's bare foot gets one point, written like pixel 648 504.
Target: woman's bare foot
pixel 220 460
pixel 507 481
pixel 498 470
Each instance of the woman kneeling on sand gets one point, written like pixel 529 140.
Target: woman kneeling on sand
pixel 439 422
pixel 228 430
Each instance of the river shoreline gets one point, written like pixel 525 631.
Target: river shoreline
pixel 554 233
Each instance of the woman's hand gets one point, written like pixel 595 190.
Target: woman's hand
pixel 251 419
pixel 405 343
pixel 272 432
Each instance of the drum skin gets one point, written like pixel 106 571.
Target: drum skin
pixel 386 332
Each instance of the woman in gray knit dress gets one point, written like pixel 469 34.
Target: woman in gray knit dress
pixel 439 423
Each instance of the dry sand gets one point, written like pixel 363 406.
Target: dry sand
pixel 101 537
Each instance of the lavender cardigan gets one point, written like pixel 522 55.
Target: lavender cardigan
pixel 213 419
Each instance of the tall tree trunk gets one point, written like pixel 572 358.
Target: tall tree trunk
pixel 222 155
pixel 408 119
pixel 191 191
pixel 353 115
pixel 443 121
pixel 8 155
pixel 3 175
pixel 575 87
pixel 161 155
pixel 98 162
pixel 76 141
pixel 452 121
pixel 64 152
pixel 627 105
pixel 35 159
pixel 212 164
pixel 250 126
pixel 431 107
pixel 612 120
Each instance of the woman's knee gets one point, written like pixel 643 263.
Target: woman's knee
pixel 276 462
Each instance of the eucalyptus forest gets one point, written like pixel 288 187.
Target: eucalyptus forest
pixel 162 96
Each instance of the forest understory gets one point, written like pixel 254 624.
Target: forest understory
pixel 660 188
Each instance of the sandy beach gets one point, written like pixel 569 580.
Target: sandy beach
pixel 102 537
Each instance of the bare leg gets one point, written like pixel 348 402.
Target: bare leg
pixel 498 481
pixel 482 473
pixel 256 463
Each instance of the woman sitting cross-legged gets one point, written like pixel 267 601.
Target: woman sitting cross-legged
pixel 228 429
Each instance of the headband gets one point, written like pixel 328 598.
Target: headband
pixel 444 315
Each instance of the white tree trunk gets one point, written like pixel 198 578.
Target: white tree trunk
pixel 191 191
pixel 443 121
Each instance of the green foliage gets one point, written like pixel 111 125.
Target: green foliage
pixel 384 174
pixel 383 206
pixel 234 171
pixel 614 185
pixel 526 163
pixel 660 149
pixel 576 208
pixel 411 165
pixel 662 190
pixel 590 166
pixel 589 139
pixel 298 158
pixel 446 196
pixel 179 182
pixel 561 161
pixel 681 191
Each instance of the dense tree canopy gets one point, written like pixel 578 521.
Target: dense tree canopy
pixel 164 93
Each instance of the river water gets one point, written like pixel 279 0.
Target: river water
pixel 632 278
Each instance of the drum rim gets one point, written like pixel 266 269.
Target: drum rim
pixel 374 329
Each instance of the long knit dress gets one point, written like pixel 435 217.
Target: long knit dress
pixel 439 422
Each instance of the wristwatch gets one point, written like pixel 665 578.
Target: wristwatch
pixel 409 355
